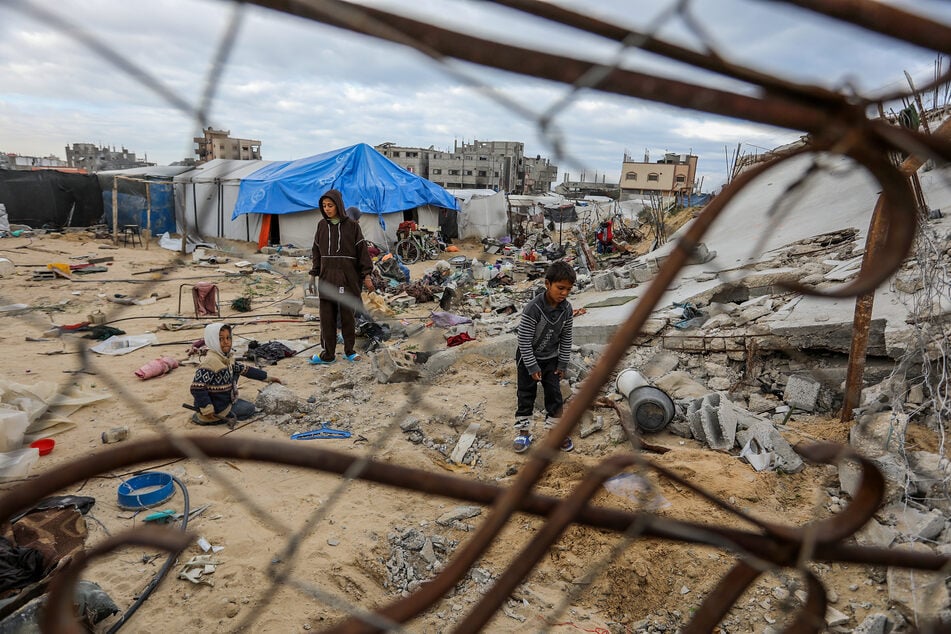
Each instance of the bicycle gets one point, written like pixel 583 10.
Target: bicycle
pixel 419 244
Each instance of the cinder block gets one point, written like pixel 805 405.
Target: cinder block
pixel 801 393
pixel 394 366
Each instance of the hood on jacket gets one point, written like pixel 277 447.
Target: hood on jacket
pixel 337 197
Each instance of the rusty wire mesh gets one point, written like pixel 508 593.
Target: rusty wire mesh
pixel 835 123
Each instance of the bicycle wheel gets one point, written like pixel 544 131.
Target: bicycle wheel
pixel 408 250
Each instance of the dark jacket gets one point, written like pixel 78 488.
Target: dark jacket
pixel 340 256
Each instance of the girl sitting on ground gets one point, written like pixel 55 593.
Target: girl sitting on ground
pixel 215 386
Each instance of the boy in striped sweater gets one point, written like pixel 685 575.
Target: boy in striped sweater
pixel 544 349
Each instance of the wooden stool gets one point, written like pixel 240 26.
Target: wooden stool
pixel 131 232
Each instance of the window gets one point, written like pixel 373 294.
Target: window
pixel 482 173
pixel 631 176
pixel 681 178
pixel 468 172
pixel 454 172
pixel 437 171
pixel 412 155
pixel 653 177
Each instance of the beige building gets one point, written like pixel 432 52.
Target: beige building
pixel 671 176
pixel 499 165
pixel 217 144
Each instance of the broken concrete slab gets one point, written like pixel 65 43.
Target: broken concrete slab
pixel 915 524
pixel 465 442
pixel 876 534
pixel 918 595
pixel 660 364
pixel 877 434
pixel 822 336
pixel 895 473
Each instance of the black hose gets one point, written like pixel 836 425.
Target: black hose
pixel 157 579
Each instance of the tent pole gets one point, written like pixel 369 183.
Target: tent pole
pixel 115 211
pixel 148 214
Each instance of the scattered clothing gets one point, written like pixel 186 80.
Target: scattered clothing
pixel 272 352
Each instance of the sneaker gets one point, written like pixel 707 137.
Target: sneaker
pixel 551 421
pixel 522 443
pixel 353 356
pixel 523 422
pixel 567 445
pixel 316 360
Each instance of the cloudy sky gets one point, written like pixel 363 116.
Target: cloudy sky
pixel 303 88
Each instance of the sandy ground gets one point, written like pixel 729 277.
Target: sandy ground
pixel 345 532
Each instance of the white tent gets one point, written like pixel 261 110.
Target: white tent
pixel 205 197
pixel 484 213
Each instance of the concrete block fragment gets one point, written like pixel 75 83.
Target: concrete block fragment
pixel 591 427
pixel 914 523
pixel 457 514
pixel 760 403
pixel 876 534
pixel 785 458
pixel 604 281
pixel 713 421
pixel 393 366
pixel 276 399
pixel 801 393
pixel 642 274
pixel 312 301
pixel 723 320
pixel 701 254
pixel 873 624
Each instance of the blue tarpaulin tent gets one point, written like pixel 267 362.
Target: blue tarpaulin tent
pixel 366 178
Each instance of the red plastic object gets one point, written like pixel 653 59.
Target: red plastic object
pixel 45 445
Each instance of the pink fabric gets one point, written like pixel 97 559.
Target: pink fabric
pixel 205 295
pixel 157 367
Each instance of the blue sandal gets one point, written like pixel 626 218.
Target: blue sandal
pixel 353 356
pixel 522 443
pixel 316 360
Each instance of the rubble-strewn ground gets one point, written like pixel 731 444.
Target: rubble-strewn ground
pixel 375 543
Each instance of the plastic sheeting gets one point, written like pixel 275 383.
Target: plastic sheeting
pixel 365 178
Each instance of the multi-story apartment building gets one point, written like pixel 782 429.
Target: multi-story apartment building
pixel 93 158
pixel 14 161
pixel 218 144
pixel 671 176
pixel 499 165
